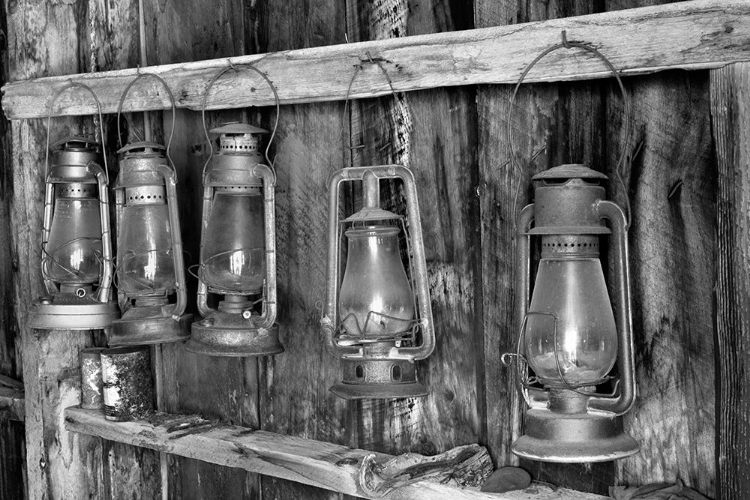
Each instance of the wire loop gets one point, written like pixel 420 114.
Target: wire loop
pixel 367 59
pixel 171 99
pixel 567 44
pixel 237 68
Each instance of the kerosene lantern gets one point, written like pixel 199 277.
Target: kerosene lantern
pixel 150 267
pixel 570 337
pixel 76 242
pixel 377 319
pixel 238 252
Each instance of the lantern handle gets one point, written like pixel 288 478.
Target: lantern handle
pixel 171 100
pixel 566 44
pixel 237 67
pixel 367 58
pixel 101 124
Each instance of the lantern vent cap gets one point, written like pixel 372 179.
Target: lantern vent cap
pixel 142 148
pixel 371 214
pixel 569 171
pixel 238 128
pixel 76 143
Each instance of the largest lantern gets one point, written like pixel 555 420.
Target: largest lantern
pixel 238 253
pixel 571 337
pixel 377 318
pixel 76 242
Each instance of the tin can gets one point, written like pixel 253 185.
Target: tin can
pixel 128 384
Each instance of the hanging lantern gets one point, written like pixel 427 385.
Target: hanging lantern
pixel 76 242
pixel 238 252
pixel 571 338
pixel 377 319
pixel 150 267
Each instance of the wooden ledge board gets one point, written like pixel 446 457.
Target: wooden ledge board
pixel 696 34
pixel 324 465
pixel 12 403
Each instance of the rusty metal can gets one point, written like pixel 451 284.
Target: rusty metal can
pixel 128 384
pixel 91 379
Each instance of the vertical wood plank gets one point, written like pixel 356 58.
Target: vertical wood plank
pixel 730 89
pixel 671 184
pixel 12 434
pixel 223 388
pixel 295 399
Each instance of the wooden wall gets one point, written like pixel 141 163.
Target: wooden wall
pixel 455 141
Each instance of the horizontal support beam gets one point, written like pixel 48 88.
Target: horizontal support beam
pixel 696 34
pixel 324 465
pixel 12 404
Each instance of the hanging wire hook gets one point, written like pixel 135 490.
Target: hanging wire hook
pixel 233 67
pixel 171 99
pixel 367 58
pixel 71 85
pixel 567 44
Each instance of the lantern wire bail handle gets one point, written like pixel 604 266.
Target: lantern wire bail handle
pixel 171 100
pixel 366 58
pixel 567 44
pixel 71 85
pixel 237 68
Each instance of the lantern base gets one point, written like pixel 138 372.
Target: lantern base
pixel 573 438
pixel 68 312
pixel 135 328
pixel 379 378
pixel 222 334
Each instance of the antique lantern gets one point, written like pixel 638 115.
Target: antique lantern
pixel 150 268
pixel 570 336
pixel 238 252
pixel 377 318
pixel 76 242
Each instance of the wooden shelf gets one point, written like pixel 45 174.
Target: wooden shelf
pixel 324 465
pixel 696 34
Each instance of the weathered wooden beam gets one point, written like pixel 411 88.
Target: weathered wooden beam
pixel 12 403
pixel 691 35
pixel 730 94
pixel 325 465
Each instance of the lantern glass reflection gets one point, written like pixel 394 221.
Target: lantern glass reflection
pixel 375 298
pixel 585 347
pixel 234 260
pixel 74 247
pixel 146 265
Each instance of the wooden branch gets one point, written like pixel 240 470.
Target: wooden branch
pixel 12 404
pixel 691 35
pixel 324 465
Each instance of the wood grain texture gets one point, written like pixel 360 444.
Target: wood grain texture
pixel 12 433
pixel 731 125
pixel 671 184
pixel 318 463
pixel 222 388
pixel 692 35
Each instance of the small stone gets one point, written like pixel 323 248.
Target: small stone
pixel 507 479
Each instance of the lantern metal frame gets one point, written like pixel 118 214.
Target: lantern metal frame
pixel 371 374
pixel 79 309
pixel 158 321
pixel 566 423
pixel 232 329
